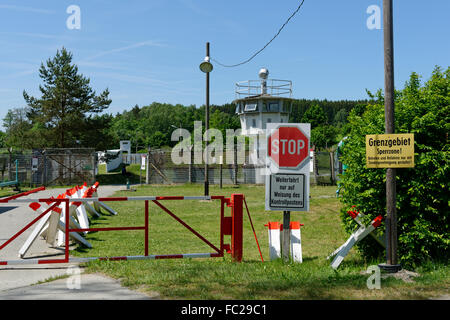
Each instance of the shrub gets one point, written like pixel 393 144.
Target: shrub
pixel 423 191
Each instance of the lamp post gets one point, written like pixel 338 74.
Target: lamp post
pixel 179 132
pixel 206 67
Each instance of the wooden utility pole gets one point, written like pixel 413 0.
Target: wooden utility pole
pixel 332 180
pixel 391 213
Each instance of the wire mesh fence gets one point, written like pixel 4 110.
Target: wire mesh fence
pixel 75 166
pixel 162 169
pixel 49 167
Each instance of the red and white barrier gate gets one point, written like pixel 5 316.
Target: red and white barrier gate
pixel 229 225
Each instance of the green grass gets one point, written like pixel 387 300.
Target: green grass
pixel 116 177
pixel 9 191
pixel 220 278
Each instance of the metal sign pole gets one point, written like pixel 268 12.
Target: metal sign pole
pixel 207 124
pixel 285 246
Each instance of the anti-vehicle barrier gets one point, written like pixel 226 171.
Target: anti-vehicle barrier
pixel 275 239
pixel 52 225
pixel 358 218
pixel 229 225
pixel 49 221
pixel 363 231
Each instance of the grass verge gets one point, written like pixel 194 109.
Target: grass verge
pixel 219 278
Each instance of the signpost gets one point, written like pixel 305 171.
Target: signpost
pixel 288 146
pixel 287 191
pixel 288 166
pixel 390 150
pixel 34 164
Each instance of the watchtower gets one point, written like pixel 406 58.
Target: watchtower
pixel 262 101
pixel 259 102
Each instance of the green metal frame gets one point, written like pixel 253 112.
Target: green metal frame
pixel 14 182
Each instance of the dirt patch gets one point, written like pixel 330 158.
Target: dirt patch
pixel 404 275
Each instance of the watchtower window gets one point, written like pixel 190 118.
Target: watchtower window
pixel 251 107
pixel 253 123
pixel 238 109
pixel 269 120
pixel 274 107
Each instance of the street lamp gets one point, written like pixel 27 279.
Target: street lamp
pixel 179 131
pixel 206 67
pixel 175 127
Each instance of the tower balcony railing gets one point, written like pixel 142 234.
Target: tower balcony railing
pixel 255 88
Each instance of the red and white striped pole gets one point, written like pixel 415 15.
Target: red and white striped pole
pixel 118 258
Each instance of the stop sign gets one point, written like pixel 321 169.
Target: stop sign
pixel 288 147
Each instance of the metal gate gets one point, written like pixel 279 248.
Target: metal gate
pixel 63 166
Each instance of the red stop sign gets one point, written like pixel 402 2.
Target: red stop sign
pixel 288 147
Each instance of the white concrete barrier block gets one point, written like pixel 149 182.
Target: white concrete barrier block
pixel 296 243
pixel 274 240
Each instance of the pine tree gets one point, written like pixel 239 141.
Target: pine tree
pixel 66 102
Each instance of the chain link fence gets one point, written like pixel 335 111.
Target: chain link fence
pixel 162 170
pixel 49 167
pixel 75 166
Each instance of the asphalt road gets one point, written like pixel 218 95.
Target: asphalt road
pixel 21 281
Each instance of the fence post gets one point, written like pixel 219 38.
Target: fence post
pixel 147 165
pixel 332 167
pixel 9 164
pixel 44 174
pixel 316 167
pixel 191 158
pixel 237 228
pixel 70 165
pixel 221 165
pixel 235 164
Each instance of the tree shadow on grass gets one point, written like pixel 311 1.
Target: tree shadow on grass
pixel 116 177
pixel 319 288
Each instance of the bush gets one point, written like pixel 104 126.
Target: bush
pixel 422 191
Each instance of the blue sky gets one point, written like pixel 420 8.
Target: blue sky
pixel 146 51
